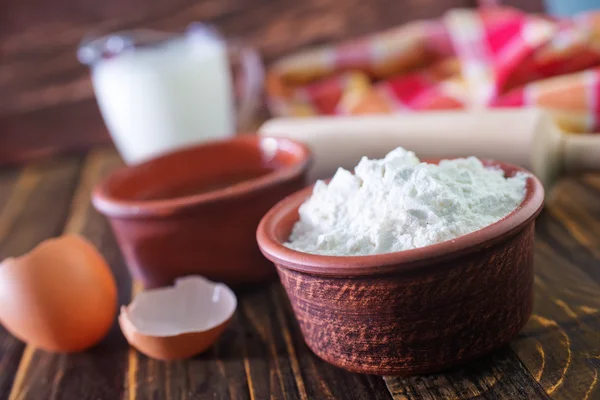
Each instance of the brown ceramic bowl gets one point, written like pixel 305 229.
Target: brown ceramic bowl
pixel 414 311
pixel 195 211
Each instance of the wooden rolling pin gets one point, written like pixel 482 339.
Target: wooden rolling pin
pixel 526 137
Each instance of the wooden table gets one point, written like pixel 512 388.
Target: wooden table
pixel 262 354
pixel 46 102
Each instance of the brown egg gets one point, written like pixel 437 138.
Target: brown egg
pixel 179 321
pixel 61 296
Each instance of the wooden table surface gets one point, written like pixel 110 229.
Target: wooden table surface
pixel 262 354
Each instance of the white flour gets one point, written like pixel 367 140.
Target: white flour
pixel 398 203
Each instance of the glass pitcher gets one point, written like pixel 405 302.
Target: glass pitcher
pixel 159 92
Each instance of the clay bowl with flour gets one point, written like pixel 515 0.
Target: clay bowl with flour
pixel 415 311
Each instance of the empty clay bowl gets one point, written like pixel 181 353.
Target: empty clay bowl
pixel 195 211
pixel 414 311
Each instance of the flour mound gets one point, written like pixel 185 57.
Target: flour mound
pixel 399 203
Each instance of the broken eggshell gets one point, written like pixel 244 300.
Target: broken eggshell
pixel 178 321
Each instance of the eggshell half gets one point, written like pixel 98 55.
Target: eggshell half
pixel 61 296
pixel 178 321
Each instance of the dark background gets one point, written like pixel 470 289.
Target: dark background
pixel 46 99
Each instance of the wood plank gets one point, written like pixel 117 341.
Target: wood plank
pixel 557 234
pixel 261 355
pixel 497 376
pixel 560 345
pixel 26 218
pixel 98 373
pixel 60 127
pixel 591 180
pixel 577 209
pixel 218 373
pixel 8 179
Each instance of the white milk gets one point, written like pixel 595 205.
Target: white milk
pixel 160 98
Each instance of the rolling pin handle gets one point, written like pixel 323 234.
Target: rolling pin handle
pixel 581 153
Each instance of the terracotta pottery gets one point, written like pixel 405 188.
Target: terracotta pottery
pixel 415 311
pixel 195 211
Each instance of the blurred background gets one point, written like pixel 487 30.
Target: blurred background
pixel 46 98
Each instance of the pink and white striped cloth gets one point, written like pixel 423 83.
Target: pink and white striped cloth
pixel 492 57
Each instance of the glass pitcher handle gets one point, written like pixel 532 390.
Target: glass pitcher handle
pixel 253 73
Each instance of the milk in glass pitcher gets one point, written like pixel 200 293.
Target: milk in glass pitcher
pixel 159 92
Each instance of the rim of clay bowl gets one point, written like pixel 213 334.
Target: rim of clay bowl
pixel 112 206
pixel 405 260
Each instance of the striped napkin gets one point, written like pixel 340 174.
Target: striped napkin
pixel 491 57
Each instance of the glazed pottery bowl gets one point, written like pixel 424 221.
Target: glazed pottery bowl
pixel 414 311
pixel 195 211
